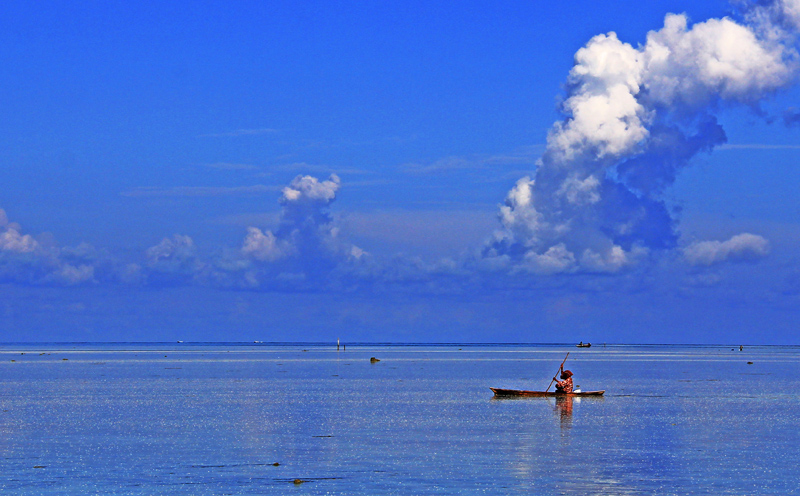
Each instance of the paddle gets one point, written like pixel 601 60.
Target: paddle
pixel 557 371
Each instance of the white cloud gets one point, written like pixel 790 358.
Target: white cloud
pixel 633 117
pixel 604 116
pixel 71 275
pixel 556 259
pixel 263 246
pixel 611 260
pixel 741 247
pixel 174 260
pixel 26 260
pixel 310 189
pixel 11 240
pixel 715 58
pixel 176 247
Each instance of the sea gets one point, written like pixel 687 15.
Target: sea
pixel 368 419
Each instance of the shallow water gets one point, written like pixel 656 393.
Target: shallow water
pixel 233 419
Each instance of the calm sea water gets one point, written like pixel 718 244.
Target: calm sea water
pixel 299 419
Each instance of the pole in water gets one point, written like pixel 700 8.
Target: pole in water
pixel 559 368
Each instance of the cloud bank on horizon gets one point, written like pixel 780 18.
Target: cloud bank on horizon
pixel 633 117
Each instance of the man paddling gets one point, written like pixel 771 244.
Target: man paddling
pixel 565 384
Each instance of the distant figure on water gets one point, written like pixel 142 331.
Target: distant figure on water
pixel 565 384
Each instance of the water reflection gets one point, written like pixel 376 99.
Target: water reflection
pixel 563 408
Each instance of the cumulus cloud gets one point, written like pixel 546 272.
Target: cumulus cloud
pixel 170 251
pixel 633 118
pixel 785 14
pixel 309 190
pixel 556 259
pixel 11 240
pixel 742 247
pixel 70 275
pixel 173 260
pixel 304 251
pixel 305 248
pixel 25 259
pixel 263 245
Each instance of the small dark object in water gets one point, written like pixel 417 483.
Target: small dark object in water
pixel 297 482
pixel 40 466
pixel 65 359
pixel 749 363
pixel 276 464
pixel 373 360
pixel 584 345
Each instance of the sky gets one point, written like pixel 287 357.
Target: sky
pixel 523 172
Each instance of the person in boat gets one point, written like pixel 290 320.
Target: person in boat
pixel 565 384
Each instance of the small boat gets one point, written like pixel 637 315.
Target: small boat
pixel 584 345
pixel 519 392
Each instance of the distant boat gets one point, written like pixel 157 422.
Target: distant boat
pixel 584 345
pixel 519 392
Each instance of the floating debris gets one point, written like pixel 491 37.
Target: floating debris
pixel 373 360
pixel 297 482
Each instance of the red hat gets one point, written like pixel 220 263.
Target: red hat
pixel 566 374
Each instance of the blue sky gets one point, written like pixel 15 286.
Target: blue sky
pixel 415 171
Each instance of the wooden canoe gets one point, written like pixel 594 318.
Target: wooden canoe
pixel 519 392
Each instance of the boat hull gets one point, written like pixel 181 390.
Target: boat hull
pixel 520 392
